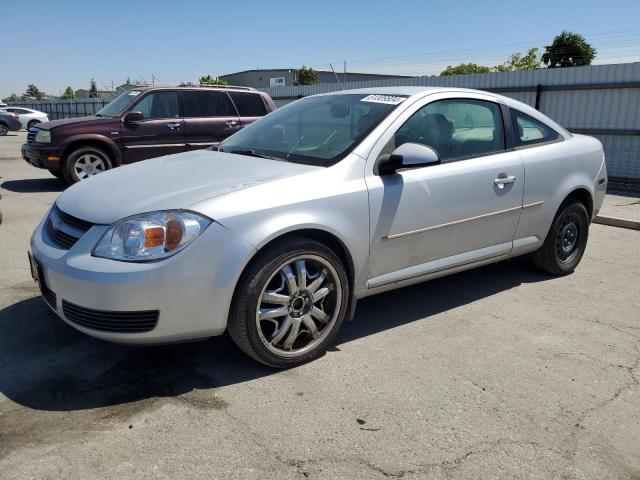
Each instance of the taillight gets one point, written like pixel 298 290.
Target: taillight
pixel 14 115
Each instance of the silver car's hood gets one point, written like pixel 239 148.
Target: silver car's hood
pixel 171 182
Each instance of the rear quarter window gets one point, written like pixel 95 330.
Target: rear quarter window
pixel 249 104
pixel 528 131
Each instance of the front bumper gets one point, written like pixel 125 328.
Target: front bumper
pixel 40 156
pixel 192 290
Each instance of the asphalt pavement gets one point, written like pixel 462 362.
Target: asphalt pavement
pixel 500 372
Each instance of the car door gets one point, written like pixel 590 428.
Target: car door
pixel 249 105
pixel 462 210
pixel 160 132
pixel 209 117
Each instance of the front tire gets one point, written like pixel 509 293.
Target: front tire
pixel 32 123
pixel 289 303
pixel 83 163
pixel 566 241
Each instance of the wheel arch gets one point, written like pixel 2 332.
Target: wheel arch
pixel 325 237
pixel 581 194
pixel 96 141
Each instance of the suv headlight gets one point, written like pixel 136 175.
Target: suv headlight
pixel 150 236
pixel 43 136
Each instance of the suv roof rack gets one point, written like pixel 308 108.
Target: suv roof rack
pixel 225 86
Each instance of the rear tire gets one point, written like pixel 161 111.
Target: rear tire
pixel 85 162
pixel 3 129
pixel 314 308
pixel 566 241
pixel 32 123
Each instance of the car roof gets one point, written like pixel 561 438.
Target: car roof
pixel 407 90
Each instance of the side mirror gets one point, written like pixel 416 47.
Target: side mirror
pixel 132 117
pixel 407 155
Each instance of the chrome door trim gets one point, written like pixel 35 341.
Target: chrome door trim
pixel 458 222
pixel 448 224
pixel 156 145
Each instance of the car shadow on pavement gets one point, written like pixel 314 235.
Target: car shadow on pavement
pixel 47 365
pixel 34 185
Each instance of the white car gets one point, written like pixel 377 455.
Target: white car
pixel 332 198
pixel 28 117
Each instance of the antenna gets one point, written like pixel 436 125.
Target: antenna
pixel 336 75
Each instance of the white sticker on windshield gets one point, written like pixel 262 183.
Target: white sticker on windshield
pixel 388 99
pixel 133 93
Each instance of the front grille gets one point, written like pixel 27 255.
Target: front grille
pixel 31 136
pixel 64 229
pixel 114 322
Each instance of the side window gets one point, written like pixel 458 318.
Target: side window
pixel 456 129
pixel 528 131
pixel 201 104
pixel 158 105
pixel 248 104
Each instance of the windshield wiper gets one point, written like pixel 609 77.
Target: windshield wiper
pixel 254 153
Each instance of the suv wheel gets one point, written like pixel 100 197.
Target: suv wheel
pixel 32 123
pixel 84 163
pixel 3 129
pixel 566 241
pixel 290 303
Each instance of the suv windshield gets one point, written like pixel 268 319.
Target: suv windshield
pixel 118 104
pixel 315 131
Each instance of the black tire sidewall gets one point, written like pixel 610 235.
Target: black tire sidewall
pixel 3 129
pixel 583 234
pixel 251 285
pixel 68 169
pixel 32 124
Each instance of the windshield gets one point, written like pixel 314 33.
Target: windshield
pixel 314 131
pixel 118 104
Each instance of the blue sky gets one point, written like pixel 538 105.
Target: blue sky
pixel 55 44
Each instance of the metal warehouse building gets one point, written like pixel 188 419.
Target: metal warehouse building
pixel 283 77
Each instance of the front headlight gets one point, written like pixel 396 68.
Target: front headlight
pixel 150 236
pixel 43 136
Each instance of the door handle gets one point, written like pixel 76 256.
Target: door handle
pixel 501 181
pixel 173 126
pixel 231 123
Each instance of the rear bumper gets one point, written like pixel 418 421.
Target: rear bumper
pixel 42 156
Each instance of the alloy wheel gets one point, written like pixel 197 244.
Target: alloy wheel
pixel 89 164
pixel 3 130
pixel 298 305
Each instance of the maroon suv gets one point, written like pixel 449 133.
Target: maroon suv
pixel 140 124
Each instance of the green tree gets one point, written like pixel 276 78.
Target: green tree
pixel 68 94
pixel 93 89
pixel 33 92
pixel 209 80
pixel 518 62
pixel 465 69
pixel 568 50
pixel 11 98
pixel 306 76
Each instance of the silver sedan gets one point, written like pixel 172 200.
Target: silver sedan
pixel 28 117
pixel 277 233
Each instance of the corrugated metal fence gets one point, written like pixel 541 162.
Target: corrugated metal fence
pixel 57 109
pixel 600 100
